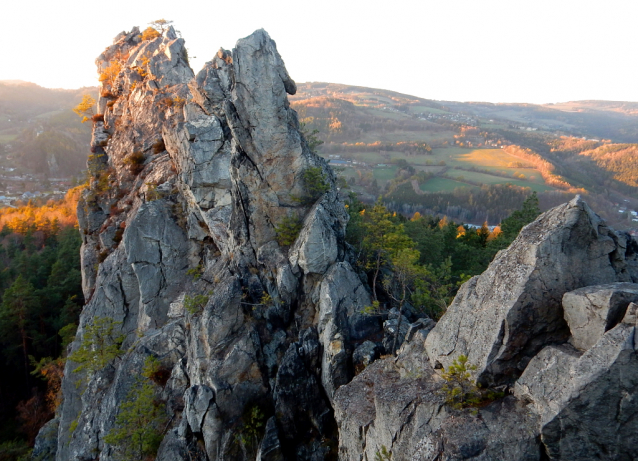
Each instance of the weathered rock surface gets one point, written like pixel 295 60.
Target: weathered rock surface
pixel 567 404
pixel 258 344
pixel 587 403
pixel 192 174
pixel 593 310
pixel 399 405
pixel 503 317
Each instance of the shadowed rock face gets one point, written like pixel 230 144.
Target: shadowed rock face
pixel 503 317
pixel 564 282
pixel 192 174
pixel 591 311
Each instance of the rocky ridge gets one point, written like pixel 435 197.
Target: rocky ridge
pixel 193 177
pixel 551 323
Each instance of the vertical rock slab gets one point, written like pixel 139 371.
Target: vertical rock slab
pixel 193 176
pixel 588 403
pixel 342 298
pixel 593 310
pixel 503 317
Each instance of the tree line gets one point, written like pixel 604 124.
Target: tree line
pixel 40 287
pixel 420 262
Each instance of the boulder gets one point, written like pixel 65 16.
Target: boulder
pixel 587 402
pixel 365 354
pixel 503 317
pixel 593 310
pixel 299 400
pixel 398 405
pixel 197 399
pixel 270 447
pixel 392 330
pixel 315 249
pixel 342 298
pixel 46 443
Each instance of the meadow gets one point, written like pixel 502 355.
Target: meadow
pixel 438 184
pixel 455 162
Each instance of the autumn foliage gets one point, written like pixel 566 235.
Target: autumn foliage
pixel 85 108
pixel 46 218
pixel 150 34
pixel 110 72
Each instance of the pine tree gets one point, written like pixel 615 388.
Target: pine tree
pixel 138 427
pixel 100 345
pixel 18 314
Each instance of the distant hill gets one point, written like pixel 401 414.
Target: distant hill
pixel 469 160
pixel 475 160
pixel 38 131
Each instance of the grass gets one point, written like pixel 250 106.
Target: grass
pixel 5 138
pixel 490 179
pixel 492 125
pixel 384 174
pixel 406 136
pixel 434 169
pixel 419 109
pixel 489 157
pixel 387 113
pixel 438 184
pixel 495 160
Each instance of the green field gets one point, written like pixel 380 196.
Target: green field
pixel 387 114
pixel 490 179
pixel 490 158
pixel 402 136
pixel 439 184
pixel 384 174
pixel 434 169
pixel 510 169
pixel 419 109
pixel 5 138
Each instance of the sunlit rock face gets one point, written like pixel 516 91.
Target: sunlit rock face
pixel 255 344
pixel 503 317
pixel 192 175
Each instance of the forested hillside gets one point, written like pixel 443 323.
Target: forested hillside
pixel 39 133
pixel 40 289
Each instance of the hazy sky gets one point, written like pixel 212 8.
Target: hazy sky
pixel 464 50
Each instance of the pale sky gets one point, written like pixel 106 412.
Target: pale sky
pixel 461 50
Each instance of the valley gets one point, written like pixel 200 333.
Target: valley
pixel 436 156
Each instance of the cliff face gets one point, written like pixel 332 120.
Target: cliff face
pixel 192 175
pixel 194 178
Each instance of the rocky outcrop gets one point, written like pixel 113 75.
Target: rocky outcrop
pixel 256 349
pixel 545 325
pixel 593 310
pixel 503 317
pixel 587 403
pixel 191 177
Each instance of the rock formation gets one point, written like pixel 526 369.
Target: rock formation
pixel 254 341
pixel 192 178
pixel 552 323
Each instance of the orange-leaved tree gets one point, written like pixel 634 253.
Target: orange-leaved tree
pixel 85 108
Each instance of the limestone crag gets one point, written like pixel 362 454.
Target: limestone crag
pixel 503 317
pixel 551 321
pixel 256 339
pixel 191 177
